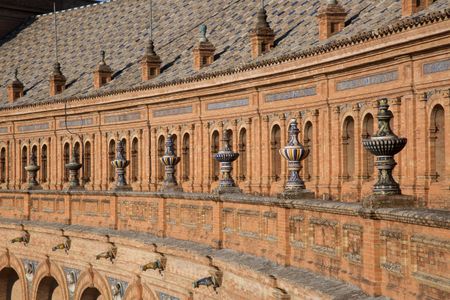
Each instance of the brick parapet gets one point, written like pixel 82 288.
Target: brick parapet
pixel 335 239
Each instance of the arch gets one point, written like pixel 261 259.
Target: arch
pixel 275 157
pixel 10 265
pixel 308 168
pixel 161 147
pixel 49 282
pixel 87 168
pixel 44 163
pixel 185 155
pixel 215 171
pixel 348 151
pixel 111 157
pixel 89 281
pixel 437 143
pixel 368 166
pixel 66 158
pixel 242 148
pixel 135 160
pixel 24 161
pixel 2 165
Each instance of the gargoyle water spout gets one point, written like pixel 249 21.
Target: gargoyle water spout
pixel 64 245
pixel 24 238
pixel 110 254
pixel 159 264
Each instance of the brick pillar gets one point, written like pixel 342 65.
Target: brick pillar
pixel 192 157
pixel 206 166
pixel 284 247
pixel 265 153
pixel 358 151
pixel 217 238
pixel 199 163
pixel 162 221
pixel 335 153
pixel 282 144
pixel 154 159
pixel 420 144
pixel 235 143
pixel 316 159
pixel 248 152
pixel 145 153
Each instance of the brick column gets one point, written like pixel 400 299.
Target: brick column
pixel 283 236
pixel 371 253
pixel 335 153
pixel 358 151
pixel 235 143
pixel 206 156
pixel 217 238
pixel 316 159
pixel 198 164
pixel 248 151
pixel 145 150
pixel 447 138
pixel 192 157
pixel 265 155
pixel 179 146
pixel 282 144
pixel 154 159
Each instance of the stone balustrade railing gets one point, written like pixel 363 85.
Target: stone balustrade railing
pixel 386 251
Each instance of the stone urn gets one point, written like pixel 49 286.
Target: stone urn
pixel 74 166
pixel 170 160
pixel 120 163
pixel 384 145
pixel 226 157
pixel 32 170
pixel 294 153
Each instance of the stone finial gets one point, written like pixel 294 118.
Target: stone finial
pixel 294 153
pixel 204 50
pixel 32 170
pixel 150 63
pixel 74 166
pixel 226 157
pixel 331 19
pixel 103 72
pixel 261 36
pixel 384 145
pixel 170 160
pixel 57 80
pixel 120 163
pixel 15 88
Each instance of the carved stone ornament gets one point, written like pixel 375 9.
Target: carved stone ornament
pixel 294 153
pixel 226 157
pixel 120 163
pixel 170 160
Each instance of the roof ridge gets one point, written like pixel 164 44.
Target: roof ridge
pixel 75 8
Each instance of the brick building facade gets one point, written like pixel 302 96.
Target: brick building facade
pixel 108 78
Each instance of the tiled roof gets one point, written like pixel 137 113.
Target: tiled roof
pixel 120 27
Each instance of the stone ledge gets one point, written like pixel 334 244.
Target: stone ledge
pixel 417 216
pixel 224 258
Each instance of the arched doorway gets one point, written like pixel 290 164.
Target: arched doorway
pixel 49 289
pixel 91 294
pixel 10 287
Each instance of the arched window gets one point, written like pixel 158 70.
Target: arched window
pixel 242 148
pixel 76 147
pixel 368 158
pixel 161 146
pixel 308 144
pixel 437 138
pixel 185 156
pixel 24 163
pixel 214 149
pixel 3 165
pixel 44 166
pixel 275 158
pixel 66 157
pixel 111 157
pixel 134 160
pixel 87 162
pixel 348 143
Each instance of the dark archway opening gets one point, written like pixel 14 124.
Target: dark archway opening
pixel 9 285
pixel 48 289
pixel 91 294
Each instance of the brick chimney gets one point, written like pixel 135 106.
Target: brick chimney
pixel 57 80
pixel 14 89
pixel 150 63
pixel 103 73
pixel 331 19
pixel 204 51
pixel 262 36
pixel 410 7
